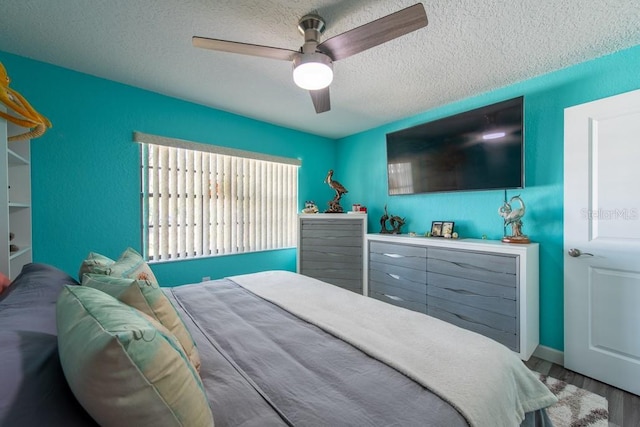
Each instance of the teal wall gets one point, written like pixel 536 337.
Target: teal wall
pixel 85 170
pixel 361 168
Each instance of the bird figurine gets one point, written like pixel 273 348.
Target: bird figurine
pixel 513 217
pixel 334 205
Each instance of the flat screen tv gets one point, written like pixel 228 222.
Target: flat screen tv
pixel 481 149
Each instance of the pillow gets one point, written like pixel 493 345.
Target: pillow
pixel 123 367
pixel 94 263
pixel 36 285
pixel 151 300
pixel 130 265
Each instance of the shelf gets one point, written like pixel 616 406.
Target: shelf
pixel 18 205
pixel 19 253
pixel 15 158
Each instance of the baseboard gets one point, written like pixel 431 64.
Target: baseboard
pixel 549 354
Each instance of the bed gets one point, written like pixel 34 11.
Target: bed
pixel 277 349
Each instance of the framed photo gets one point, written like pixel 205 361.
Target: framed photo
pixel 447 228
pixel 436 229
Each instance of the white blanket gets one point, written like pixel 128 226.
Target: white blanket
pixel 486 382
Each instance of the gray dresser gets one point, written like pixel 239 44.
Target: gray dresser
pixel 331 248
pixel 485 286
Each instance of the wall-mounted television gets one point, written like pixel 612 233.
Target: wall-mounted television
pixel 481 149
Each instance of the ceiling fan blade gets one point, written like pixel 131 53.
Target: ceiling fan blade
pixel 244 48
pixel 321 100
pixel 375 33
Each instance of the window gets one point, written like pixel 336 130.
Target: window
pixel 204 200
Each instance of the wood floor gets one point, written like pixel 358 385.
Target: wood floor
pixel 624 407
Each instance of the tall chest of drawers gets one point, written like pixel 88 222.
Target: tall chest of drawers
pixel 331 248
pixel 485 286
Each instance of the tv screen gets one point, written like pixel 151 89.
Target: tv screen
pixel 481 149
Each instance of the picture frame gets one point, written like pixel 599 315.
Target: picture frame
pixel 436 229
pixel 447 228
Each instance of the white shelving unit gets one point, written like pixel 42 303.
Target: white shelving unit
pixel 15 201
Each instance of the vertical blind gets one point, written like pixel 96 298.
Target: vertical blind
pixel 202 203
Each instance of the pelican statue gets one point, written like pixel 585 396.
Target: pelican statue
pixel 335 185
pixel 334 205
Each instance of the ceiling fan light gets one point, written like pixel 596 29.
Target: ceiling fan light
pixel 312 71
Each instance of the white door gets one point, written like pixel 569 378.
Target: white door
pixel 602 240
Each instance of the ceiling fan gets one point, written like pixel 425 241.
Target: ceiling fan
pixel 313 63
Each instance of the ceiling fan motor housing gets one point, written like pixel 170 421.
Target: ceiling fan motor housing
pixel 312 27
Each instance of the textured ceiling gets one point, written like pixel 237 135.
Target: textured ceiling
pixel 469 47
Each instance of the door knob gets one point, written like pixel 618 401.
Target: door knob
pixel 573 252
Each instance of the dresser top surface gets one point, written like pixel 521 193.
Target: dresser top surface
pixel 326 216
pixel 470 244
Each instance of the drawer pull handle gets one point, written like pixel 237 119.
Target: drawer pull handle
pixel 393 297
pixel 395 276
pixel 473 267
pixel 393 255
pixel 466 319
pixel 463 292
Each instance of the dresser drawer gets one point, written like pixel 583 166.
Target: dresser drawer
pixel 499 322
pixel 327 270
pixel 331 241
pixel 509 339
pixel 483 288
pixel 486 296
pixel 390 273
pixel 481 266
pixel 397 255
pixel 332 254
pixel 395 249
pixel 399 301
pixel 316 228
pixel 405 289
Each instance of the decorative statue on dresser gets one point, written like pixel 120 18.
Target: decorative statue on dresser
pixel 395 221
pixel 513 217
pixel 334 205
pixel 383 221
pixel 396 224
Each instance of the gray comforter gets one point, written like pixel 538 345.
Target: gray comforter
pixel 263 366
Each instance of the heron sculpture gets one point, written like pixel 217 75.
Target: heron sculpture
pixel 334 205
pixel 513 217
